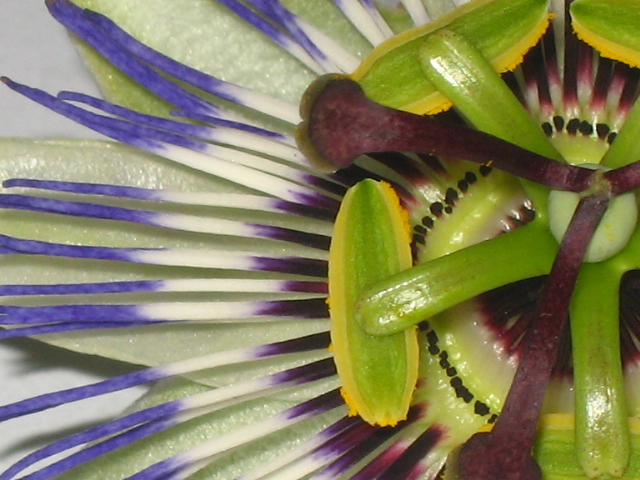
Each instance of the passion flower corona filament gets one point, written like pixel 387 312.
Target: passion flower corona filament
pixel 346 239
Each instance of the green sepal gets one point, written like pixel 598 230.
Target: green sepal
pixel 421 292
pixel 503 30
pixel 370 243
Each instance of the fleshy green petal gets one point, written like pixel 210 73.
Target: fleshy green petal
pixel 118 164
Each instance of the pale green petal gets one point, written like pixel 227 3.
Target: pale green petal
pixel 122 463
pixel 207 36
pixel 118 164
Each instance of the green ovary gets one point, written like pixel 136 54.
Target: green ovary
pixel 614 231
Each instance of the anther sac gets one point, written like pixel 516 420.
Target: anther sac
pixel 341 126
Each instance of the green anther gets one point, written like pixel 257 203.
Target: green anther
pixel 460 72
pixel 602 429
pixel 609 26
pixel 503 31
pixel 370 242
pixel 421 292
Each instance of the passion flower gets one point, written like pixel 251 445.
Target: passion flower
pixel 520 271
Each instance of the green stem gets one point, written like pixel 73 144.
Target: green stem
pixel 421 292
pixel 460 71
pixel 602 425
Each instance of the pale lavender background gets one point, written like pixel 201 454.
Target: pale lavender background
pixel 36 51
